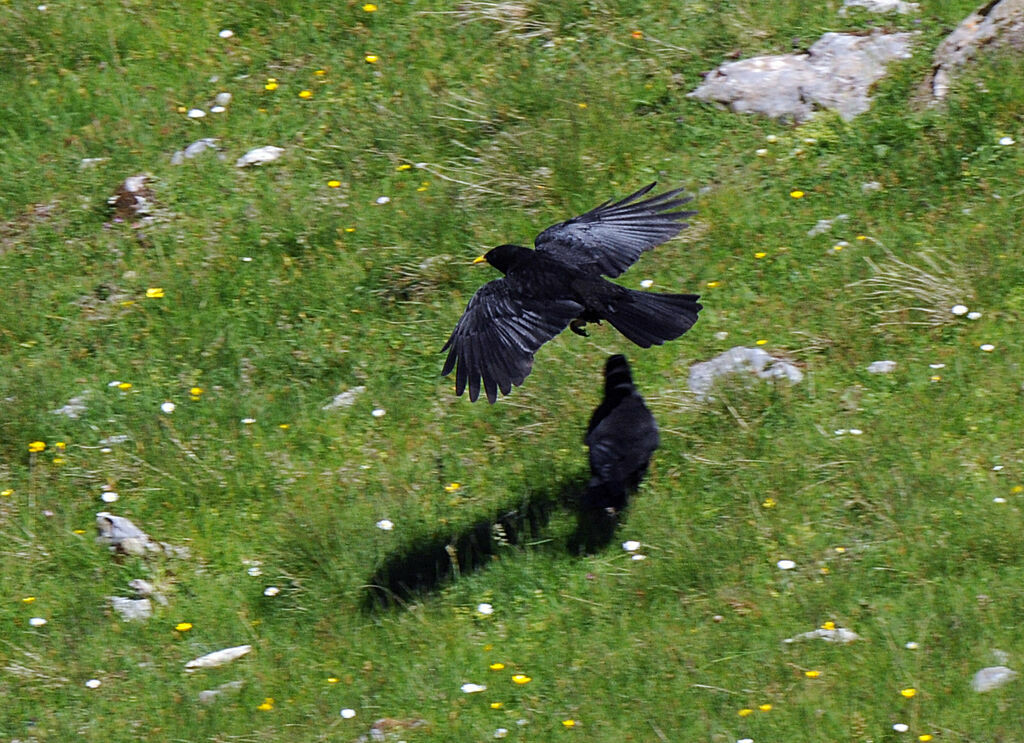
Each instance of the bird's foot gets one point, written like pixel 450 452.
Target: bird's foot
pixel 578 326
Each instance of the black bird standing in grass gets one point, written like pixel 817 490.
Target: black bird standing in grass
pixel 622 435
pixel 561 283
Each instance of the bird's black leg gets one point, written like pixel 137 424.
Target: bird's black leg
pixel 578 326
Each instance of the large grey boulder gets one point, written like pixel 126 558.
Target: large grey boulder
pixel 836 73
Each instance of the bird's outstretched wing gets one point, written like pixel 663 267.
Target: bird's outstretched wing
pixel 496 337
pixel 612 236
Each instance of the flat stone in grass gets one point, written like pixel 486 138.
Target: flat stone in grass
pixel 752 362
pixel 992 677
pixel 836 73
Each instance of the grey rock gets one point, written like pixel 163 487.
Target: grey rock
pixel 754 362
pixel 344 400
pixel 74 407
pixel 992 677
pixel 993 24
pixel 193 150
pixel 835 73
pixel 131 610
pixel 209 696
pixel 259 156
pixel 824 225
pixel 882 367
pixel 121 535
pixel 880 6
pixel 839 635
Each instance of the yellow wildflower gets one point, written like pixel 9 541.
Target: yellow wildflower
pixel 270 86
pixel 713 284
pixel 183 626
pixel 769 503
pixel 764 707
pixel 372 58
pixel 154 292
pixel 569 723
pixel 745 711
pixel 925 736
pixel 332 679
pixel 761 342
pixel 909 692
pixel 496 666
pixel 497 705
pixel 333 184
pixel 812 674
pixel 760 254
pixel 6 492
pixel 305 94
pixel 451 487
pixel 796 194
pixel 124 386
pixel 28 599
pixel 37 446
pixel 370 8
pixel 320 73
pixel 268 704
pixel 521 678
pixel 829 626
pixel 403 166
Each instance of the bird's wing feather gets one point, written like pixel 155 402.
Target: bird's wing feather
pixel 612 236
pixel 495 339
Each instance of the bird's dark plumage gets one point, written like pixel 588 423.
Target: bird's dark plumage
pixel 622 436
pixel 561 283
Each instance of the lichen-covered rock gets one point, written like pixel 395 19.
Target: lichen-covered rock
pixel 755 362
pixel 994 24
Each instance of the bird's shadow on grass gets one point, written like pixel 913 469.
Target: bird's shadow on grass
pixel 429 563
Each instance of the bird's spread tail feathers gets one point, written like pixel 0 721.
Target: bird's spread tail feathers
pixel 649 319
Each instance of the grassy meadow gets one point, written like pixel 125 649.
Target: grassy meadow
pixel 415 136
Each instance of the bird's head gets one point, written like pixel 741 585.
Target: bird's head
pixel 502 257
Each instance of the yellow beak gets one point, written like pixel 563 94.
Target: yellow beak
pixel 481 259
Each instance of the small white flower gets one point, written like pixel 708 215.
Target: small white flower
pixel 36 621
pixel 841 431
pixel 93 684
pixel 936 366
pixel 1004 141
pixel 771 139
pixel 223 99
pixel 959 309
pixel 109 496
pixel 987 347
pixel 785 564
pixel 227 33
pixel 761 152
pixel 378 412
pixel 631 545
pixel 115 383
pixel 973 315
pixel 911 645
pixel 473 688
pixel 485 609
pixel 721 335
pixel 248 421
pixel 855 432
pixel 638 557
pixel 997 468
pixel 348 713
pixel 745 740
pixel 255 570
pixel 421 166
pixel 106 450
pixel 41 8
pixel 997 499
pixel 246 259
pixel 383 200
pixel 168 407
pixel 647 283
pixel 501 732
pixel 271 591
pixel 385 525
pixel 196 113
pixel 217 109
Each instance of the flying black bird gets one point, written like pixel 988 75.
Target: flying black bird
pixel 622 436
pixel 561 284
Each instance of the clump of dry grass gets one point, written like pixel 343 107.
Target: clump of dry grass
pixel 921 293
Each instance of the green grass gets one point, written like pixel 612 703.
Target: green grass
pixel 520 122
